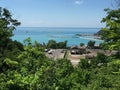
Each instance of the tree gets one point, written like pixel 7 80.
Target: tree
pixel 82 44
pixel 52 44
pixel 7 25
pixel 84 64
pixel 62 44
pixel 91 44
pixel 111 32
pixel 8 48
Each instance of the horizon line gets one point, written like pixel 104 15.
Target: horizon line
pixel 55 27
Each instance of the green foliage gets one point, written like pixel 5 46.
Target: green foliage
pixel 64 67
pixel 66 54
pixel 7 24
pixel 33 70
pixel 101 58
pixel 8 48
pixel 91 44
pixel 62 45
pixel 53 44
pixel 84 64
pixel 115 66
pixel 27 41
pixel 111 33
pixel 82 44
pixel 10 63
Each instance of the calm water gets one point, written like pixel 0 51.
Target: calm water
pixel 58 34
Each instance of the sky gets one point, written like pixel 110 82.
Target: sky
pixel 58 13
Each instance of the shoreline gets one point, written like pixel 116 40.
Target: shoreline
pixel 58 34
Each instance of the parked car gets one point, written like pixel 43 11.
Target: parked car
pixel 46 50
pixel 50 51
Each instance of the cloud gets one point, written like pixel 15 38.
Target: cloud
pixel 78 2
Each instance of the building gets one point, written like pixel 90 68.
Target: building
pixel 77 50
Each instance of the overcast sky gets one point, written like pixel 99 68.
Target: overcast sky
pixel 58 13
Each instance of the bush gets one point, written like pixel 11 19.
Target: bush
pixel 91 44
pixel 53 44
pixel 84 64
pixel 82 44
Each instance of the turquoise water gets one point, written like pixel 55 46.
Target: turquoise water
pixel 59 34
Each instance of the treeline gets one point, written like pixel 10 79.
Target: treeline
pixel 63 45
pixel 27 67
pixel 56 45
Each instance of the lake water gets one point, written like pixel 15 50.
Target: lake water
pixel 58 34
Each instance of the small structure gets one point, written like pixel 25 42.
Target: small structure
pixel 78 50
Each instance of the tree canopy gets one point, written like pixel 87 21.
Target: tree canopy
pixel 111 33
pixel 7 25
